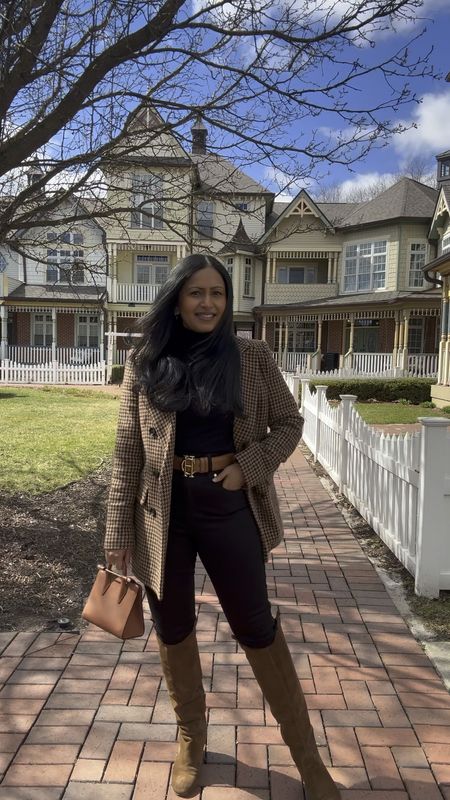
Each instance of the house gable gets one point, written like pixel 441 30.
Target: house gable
pixel 441 214
pixel 301 208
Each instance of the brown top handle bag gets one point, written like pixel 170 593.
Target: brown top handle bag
pixel 115 604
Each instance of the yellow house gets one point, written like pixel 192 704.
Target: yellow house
pixel 345 283
pixel 170 202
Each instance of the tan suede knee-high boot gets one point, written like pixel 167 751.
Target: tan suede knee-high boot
pixel 275 672
pixel 183 674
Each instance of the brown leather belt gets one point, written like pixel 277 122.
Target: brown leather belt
pixel 191 465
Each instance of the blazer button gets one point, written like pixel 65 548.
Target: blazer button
pixel 153 432
pixel 152 512
pixel 155 473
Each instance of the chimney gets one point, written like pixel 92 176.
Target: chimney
pixel 199 136
pixel 34 174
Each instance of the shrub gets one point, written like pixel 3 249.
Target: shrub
pixel 446 409
pixel 429 404
pixel 385 390
pixel 117 373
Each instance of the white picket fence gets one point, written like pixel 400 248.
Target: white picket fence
pixel 54 373
pixel 400 484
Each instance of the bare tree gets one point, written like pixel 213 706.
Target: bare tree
pixel 417 168
pixel 72 71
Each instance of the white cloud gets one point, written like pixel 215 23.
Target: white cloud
pixel 430 134
pixel 285 186
pixel 365 181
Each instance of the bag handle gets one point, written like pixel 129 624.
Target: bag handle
pixel 124 579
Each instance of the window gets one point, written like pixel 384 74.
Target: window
pixel 147 200
pixel 42 330
pixel 153 270
pixel 365 266
pixel 229 265
pixel 445 169
pixel 248 278
pixel 297 274
pixel 301 337
pixel 445 246
pixel 65 265
pixel 417 258
pixel 241 206
pixel 415 335
pixel 205 218
pixel 88 330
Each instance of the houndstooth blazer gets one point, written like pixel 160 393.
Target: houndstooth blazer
pixel 139 498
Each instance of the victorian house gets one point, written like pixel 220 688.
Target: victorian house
pixel 345 285
pixel 327 285
pixel 52 291
pixel 169 202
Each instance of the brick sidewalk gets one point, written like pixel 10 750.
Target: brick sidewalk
pixel 87 718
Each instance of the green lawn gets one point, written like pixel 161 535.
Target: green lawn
pixel 49 437
pixel 390 413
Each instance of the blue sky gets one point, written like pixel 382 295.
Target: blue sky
pixel 430 118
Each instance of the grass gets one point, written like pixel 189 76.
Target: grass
pixel 391 413
pixel 51 436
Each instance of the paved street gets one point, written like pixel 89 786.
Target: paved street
pixel 87 717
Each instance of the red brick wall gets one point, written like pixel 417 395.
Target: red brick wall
pixel 65 330
pixel 429 337
pixel 333 342
pixel 270 335
pixel 23 322
pixel 386 335
pixel 125 324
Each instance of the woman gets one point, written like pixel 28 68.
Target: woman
pixel 193 474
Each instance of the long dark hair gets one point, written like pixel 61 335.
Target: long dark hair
pixel 210 376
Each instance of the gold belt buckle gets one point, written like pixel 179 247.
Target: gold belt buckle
pixel 188 466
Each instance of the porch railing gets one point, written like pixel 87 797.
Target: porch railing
pixel 372 363
pixel 63 355
pixel 423 365
pixel 133 292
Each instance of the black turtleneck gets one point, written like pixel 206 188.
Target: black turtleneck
pixel 195 434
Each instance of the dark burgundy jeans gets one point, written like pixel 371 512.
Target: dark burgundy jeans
pixel 217 525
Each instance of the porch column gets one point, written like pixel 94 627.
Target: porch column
pixel 263 331
pixel 352 333
pixel 285 346
pixel 404 363
pixel 316 358
pixel 112 272
pixel 274 269
pixel 54 333
pixel 109 350
pixel 319 333
pixel 4 333
pixel 445 358
pixel 114 337
pixel 330 268
pixel 395 347
pixel 101 355
pixel 336 268
pixel 280 343
pixel 348 358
